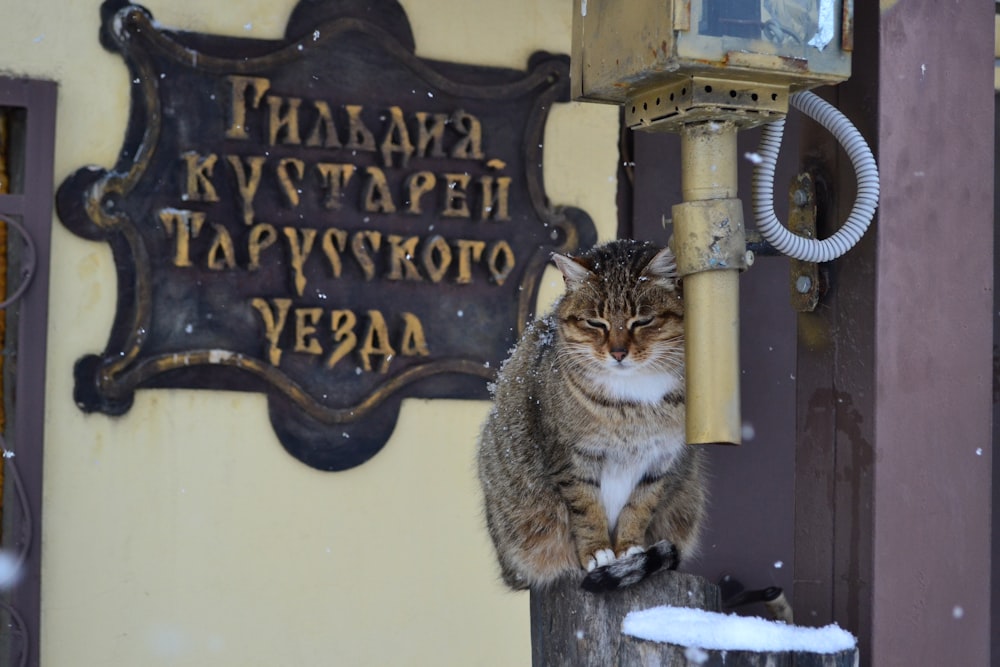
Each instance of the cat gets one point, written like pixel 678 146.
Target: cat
pixel 582 459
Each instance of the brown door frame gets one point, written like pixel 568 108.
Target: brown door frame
pixel 24 433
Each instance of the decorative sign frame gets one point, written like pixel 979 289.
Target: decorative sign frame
pixel 327 219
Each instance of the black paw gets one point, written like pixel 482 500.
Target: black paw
pixel 632 569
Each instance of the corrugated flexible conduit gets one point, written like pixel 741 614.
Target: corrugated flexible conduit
pixel 793 245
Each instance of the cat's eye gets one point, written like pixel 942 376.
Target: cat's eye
pixel 598 324
pixel 640 322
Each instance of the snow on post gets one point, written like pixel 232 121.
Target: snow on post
pixel 710 638
pixel 670 619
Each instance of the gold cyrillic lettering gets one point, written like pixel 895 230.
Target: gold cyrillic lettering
pixel 183 225
pixel 284 123
pixel 417 185
pixel 247 185
pixel 238 102
pixel 396 139
pixel 324 132
pixel 274 322
pixel 361 253
pixel 299 252
pixel 305 330
pixel 377 196
pixel 221 255
pixel 342 324
pixel 262 236
pixel 432 136
pixel 334 242
pixel 359 137
pixel 401 253
pixel 436 269
pixel 468 252
pixel 413 342
pixel 500 261
pixel 335 177
pixel 199 177
pixel 376 342
pixel 471 143
pixel 456 198
pixel 495 207
pixel 290 190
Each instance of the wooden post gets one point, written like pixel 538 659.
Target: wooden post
pixel 573 628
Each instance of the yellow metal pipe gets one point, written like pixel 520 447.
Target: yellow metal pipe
pixel 708 161
pixel 712 220
pixel 711 325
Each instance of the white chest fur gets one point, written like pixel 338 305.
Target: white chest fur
pixel 617 482
pixel 638 387
pixel 620 476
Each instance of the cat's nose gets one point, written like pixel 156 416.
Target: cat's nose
pixel 619 353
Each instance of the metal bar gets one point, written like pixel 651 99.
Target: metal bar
pixel 711 297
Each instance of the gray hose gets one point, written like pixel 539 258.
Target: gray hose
pixel 798 247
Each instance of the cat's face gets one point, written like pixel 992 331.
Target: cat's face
pixel 622 312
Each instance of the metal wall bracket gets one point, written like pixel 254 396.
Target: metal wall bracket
pixel 803 276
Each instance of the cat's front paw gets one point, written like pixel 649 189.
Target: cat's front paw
pixel 631 551
pixel 633 568
pixel 600 558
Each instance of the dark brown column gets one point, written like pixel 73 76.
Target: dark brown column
pixel 934 334
pixel 893 469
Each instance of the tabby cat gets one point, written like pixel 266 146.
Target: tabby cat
pixel 582 459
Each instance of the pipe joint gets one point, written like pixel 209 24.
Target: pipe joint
pixel 709 236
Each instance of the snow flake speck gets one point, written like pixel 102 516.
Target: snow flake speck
pixel 695 655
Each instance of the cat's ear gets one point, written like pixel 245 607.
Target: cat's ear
pixel 573 270
pixel 662 269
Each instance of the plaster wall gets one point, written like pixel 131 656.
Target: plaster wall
pixel 182 533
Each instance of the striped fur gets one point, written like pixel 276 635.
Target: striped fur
pixel 582 460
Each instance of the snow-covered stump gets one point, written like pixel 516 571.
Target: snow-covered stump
pixel 573 627
pixel 671 619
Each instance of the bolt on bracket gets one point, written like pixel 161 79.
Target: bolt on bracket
pixel 804 287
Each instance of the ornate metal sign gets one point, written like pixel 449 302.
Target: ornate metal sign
pixel 327 218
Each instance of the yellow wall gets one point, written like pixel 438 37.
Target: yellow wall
pixel 182 533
